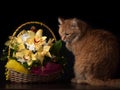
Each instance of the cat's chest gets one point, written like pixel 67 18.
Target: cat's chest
pixel 77 47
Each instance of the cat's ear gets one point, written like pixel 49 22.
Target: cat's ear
pixel 60 20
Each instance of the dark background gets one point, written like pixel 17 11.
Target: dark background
pixel 98 15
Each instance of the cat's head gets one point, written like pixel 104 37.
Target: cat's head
pixel 71 29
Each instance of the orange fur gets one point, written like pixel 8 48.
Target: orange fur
pixel 96 52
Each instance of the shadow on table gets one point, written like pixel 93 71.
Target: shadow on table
pixel 53 85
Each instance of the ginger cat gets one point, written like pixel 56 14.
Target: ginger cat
pixel 96 52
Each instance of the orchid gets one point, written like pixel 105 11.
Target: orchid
pixel 30 51
pixel 30 46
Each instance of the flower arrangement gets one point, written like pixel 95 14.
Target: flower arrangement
pixel 31 52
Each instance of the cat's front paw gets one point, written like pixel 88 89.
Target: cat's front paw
pixel 79 81
pixel 82 81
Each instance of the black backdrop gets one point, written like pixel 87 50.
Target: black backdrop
pixel 97 18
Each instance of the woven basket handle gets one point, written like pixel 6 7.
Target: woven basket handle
pixel 31 22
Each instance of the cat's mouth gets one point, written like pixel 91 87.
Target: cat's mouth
pixel 64 39
pixel 67 37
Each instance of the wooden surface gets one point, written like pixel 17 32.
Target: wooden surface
pixel 52 86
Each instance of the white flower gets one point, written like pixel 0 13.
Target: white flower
pixel 31 47
pixel 21 60
pixel 25 37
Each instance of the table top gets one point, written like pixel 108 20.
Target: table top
pixel 53 86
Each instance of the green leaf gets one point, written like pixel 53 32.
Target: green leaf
pixel 25 65
pixel 55 49
pixel 4 55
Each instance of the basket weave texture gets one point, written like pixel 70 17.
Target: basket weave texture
pixel 18 77
pixel 31 78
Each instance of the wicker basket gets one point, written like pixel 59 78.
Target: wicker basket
pixel 18 77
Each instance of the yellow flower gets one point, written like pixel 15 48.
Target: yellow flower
pixel 25 56
pixel 46 51
pixel 39 40
pixel 20 44
pixel 39 33
pixel 21 53
pixel 12 43
pixel 41 54
pixel 30 46
pixel 50 42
